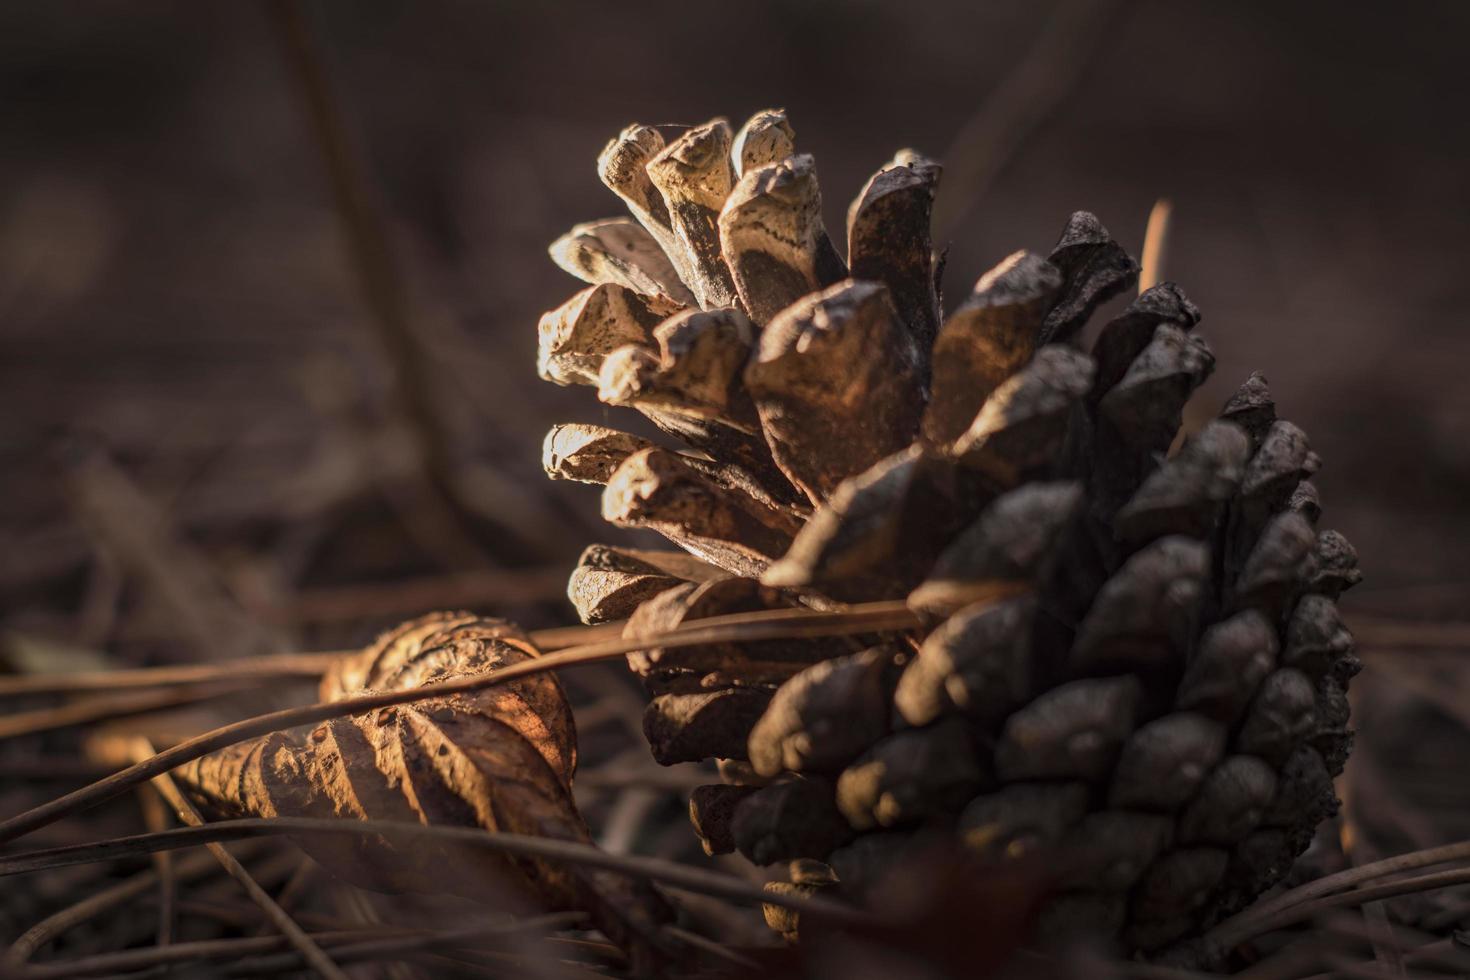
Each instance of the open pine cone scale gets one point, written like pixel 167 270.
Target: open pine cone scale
pixel 1131 656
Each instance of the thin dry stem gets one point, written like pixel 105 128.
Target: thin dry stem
pixel 1038 84
pixel 349 603
pixel 307 666
pixel 312 953
pixel 348 945
pixel 387 949
pixel 364 230
pixel 737 628
pixel 155 818
pixel 106 707
pixel 95 904
pixel 1308 910
pixel 708 945
pixel 140 533
pixel 670 872
pixel 1264 915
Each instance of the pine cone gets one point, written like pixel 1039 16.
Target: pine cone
pixel 1132 653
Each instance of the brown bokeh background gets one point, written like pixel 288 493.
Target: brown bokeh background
pixel 194 399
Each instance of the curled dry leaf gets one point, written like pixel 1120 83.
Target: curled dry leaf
pixel 501 758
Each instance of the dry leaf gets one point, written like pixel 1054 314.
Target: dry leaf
pixel 501 758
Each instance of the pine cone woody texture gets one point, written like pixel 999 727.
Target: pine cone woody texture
pixel 1132 656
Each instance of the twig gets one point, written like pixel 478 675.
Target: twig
pixel 561 637
pixel 363 913
pixel 154 956
pixel 1448 954
pixel 377 949
pixel 99 608
pixel 736 628
pixel 277 666
pixel 106 707
pixel 1155 245
pixel 708 945
pixel 625 818
pixel 1371 632
pixel 670 872
pixel 241 916
pixel 51 768
pixel 476 588
pixel 381 284
pixel 155 819
pixel 1257 918
pixel 1453 911
pixel 139 533
pixel 1375 925
pixel 1410 945
pixel 295 885
pixel 1381 937
pixel 1287 963
pixel 1035 88
pixel 309 666
pixel 515 966
pixel 279 917
pixel 347 946
pixel 1156 971
pixel 1361 896
pixel 604 951
pixel 1341 969
pixel 458 963
pixel 54 925
pixel 377 275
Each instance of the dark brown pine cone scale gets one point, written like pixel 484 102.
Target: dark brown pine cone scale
pixel 1132 653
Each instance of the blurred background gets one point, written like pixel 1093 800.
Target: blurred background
pixel 223 430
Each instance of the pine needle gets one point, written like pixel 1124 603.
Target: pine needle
pixel 737 628
pixel 656 869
